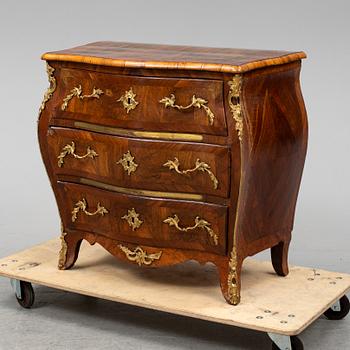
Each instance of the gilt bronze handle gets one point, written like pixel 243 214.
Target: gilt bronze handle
pixel 140 256
pixel 198 223
pixel 69 149
pixel 78 93
pixel 82 206
pixel 196 102
pixel 199 166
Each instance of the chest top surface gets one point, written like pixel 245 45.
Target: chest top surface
pixel 133 55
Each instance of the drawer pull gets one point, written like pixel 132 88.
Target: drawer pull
pixel 196 102
pixel 198 223
pixel 82 205
pixel 127 162
pixel 139 255
pixel 77 92
pixel 128 100
pixel 133 219
pixel 199 166
pixel 69 149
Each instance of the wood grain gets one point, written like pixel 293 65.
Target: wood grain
pixel 273 152
pixel 133 55
pixel 152 212
pixel 150 157
pixel 149 113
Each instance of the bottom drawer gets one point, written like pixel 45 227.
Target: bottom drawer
pixel 142 220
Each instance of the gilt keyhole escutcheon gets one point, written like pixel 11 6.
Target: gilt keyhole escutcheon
pixel 127 162
pixel 132 218
pixel 128 100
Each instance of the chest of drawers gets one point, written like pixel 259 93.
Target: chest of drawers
pixel 163 154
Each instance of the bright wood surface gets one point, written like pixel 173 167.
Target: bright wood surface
pixel 268 301
pixel 133 55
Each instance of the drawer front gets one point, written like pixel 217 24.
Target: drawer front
pixel 153 222
pixel 175 105
pixel 141 164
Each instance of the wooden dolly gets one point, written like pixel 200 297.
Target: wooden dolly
pixel 281 306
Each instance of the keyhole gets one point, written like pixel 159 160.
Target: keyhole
pixel 129 100
pixel 235 100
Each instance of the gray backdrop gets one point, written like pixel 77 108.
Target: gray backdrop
pixel 28 213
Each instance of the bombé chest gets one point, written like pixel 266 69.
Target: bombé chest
pixel 163 154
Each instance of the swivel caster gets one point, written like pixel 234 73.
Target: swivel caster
pixel 24 293
pixel 339 310
pixel 284 342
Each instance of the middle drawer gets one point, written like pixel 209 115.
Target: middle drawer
pixel 141 164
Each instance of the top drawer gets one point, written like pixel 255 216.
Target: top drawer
pixel 164 104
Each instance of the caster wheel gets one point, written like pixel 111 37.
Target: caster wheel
pixel 296 344
pixel 344 310
pixel 27 292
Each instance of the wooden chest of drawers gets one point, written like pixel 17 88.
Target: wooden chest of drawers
pixel 163 154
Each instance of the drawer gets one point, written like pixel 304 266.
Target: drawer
pixel 153 222
pixel 164 104
pixel 141 164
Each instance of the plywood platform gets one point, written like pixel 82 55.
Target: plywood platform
pixel 284 305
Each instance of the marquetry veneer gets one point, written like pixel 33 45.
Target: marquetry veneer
pixel 163 154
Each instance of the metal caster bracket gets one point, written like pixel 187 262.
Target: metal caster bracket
pixel 16 286
pixel 336 306
pixel 282 341
pixel 339 310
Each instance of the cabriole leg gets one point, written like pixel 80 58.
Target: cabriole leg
pixel 70 246
pixel 279 257
pixel 230 278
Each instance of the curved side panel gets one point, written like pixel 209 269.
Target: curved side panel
pixel 273 154
pixel 45 114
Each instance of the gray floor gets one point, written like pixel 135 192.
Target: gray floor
pixel 62 320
